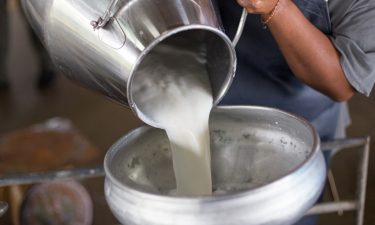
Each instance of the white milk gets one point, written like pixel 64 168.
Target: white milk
pixel 176 94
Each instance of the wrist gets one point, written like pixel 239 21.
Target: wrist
pixel 266 18
pixel 267 12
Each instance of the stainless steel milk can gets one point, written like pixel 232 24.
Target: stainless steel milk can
pixel 101 43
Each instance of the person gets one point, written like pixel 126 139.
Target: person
pixel 47 71
pixel 307 57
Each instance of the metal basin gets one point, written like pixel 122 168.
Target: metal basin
pixel 267 169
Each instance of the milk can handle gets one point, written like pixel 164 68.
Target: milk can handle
pixel 108 15
pixel 102 21
pixel 240 27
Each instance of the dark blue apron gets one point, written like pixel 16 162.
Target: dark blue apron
pixel 264 78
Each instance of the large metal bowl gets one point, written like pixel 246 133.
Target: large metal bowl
pixel 266 163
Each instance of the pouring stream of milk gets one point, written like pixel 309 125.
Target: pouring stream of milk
pixel 175 93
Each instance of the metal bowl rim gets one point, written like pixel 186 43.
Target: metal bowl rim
pixel 209 199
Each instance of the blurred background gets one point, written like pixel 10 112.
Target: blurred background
pixel 31 93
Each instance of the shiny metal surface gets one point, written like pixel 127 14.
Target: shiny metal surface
pixel 108 15
pixel 241 25
pixel 267 169
pixel 40 177
pixel 105 59
pixel 3 208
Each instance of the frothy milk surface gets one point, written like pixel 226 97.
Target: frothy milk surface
pixel 175 93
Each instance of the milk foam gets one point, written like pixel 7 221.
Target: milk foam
pixel 175 93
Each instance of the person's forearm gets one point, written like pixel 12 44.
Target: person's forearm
pixel 310 54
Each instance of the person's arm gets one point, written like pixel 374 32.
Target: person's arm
pixel 310 54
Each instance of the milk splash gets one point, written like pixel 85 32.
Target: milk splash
pixel 175 93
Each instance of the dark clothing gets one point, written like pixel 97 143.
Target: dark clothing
pixel 264 78
pixel 353 34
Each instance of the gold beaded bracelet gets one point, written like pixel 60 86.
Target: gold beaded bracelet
pixel 266 21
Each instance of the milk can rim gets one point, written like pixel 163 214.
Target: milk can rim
pixel 165 35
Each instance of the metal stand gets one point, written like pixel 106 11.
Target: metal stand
pixel 335 146
pixel 358 204
pixel 32 178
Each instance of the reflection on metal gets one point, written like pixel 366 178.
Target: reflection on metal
pixel 3 208
pixel 357 204
pixel 114 36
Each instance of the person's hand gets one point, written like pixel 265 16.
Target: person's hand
pixel 263 7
